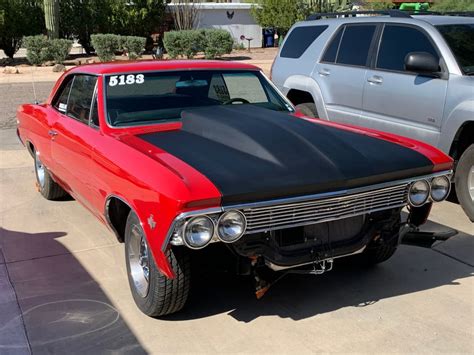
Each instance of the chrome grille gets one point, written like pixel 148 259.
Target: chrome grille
pixel 294 214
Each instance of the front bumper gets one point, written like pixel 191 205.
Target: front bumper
pixel 300 211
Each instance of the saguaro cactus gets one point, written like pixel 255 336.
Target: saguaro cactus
pixel 51 17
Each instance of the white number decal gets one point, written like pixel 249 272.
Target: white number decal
pixel 113 80
pixel 126 80
pixel 140 79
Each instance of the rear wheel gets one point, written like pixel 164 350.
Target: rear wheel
pixel 308 109
pixel 464 181
pixel 155 294
pixel 379 253
pixel 46 185
pixel 382 248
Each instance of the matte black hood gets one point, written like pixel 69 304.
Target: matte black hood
pixel 253 154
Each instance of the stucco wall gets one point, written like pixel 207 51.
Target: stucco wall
pixel 241 23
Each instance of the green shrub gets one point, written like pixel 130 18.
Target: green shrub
pixel 36 49
pixel 171 41
pixel 134 46
pixel 58 50
pixel 217 42
pixel 184 43
pixel 106 45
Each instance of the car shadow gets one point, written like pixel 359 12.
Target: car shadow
pixel 350 284
pixel 63 308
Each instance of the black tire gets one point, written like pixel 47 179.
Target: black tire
pixel 382 249
pixel 47 187
pixel 308 109
pixel 164 296
pixel 462 179
pixel 374 255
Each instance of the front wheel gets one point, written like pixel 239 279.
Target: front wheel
pixel 464 181
pixel 155 294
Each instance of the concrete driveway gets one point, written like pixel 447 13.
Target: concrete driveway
pixel 63 289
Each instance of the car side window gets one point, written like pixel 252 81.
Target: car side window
pixel 399 40
pixel 80 97
pixel 355 44
pixel 60 103
pixel 95 113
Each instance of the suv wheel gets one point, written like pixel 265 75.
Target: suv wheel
pixel 464 181
pixel 154 293
pixel 308 109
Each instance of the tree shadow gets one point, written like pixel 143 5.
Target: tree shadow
pixel 350 284
pixel 63 308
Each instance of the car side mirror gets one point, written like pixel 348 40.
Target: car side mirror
pixel 422 63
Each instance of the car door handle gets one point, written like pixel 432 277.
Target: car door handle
pixel 52 133
pixel 324 72
pixel 375 80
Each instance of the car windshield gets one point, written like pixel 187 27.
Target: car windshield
pixel 154 97
pixel 460 39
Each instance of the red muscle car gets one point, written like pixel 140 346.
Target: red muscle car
pixel 175 155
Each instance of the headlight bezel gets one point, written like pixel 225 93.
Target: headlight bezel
pixel 428 192
pixel 448 189
pixel 185 230
pixel 218 225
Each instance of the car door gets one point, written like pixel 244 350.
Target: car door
pixel 342 70
pixel 399 101
pixel 74 138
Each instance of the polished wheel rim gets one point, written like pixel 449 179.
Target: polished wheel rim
pixel 39 170
pixel 139 261
pixel 470 183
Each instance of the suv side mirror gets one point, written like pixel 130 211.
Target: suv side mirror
pixel 421 62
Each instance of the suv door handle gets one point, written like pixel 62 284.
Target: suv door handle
pixel 324 72
pixel 375 80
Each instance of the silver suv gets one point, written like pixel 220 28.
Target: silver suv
pixel 412 76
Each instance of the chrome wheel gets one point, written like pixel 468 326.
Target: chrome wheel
pixel 139 261
pixel 470 182
pixel 40 170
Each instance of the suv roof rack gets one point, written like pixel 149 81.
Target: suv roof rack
pixel 391 13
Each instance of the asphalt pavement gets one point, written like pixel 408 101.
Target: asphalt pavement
pixel 64 289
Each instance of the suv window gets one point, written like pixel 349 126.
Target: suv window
pixel 331 51
pixel 355 45
pixel 300 39
pixel 397 41
pixel 80 97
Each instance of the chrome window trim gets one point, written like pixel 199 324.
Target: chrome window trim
pixel 282 201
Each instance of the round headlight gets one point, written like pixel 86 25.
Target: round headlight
pixel 440 188
pixel 419 193
pixel 198 232
pixel 231 226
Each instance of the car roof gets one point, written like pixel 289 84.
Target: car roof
pixel 156 65
pixel 419 19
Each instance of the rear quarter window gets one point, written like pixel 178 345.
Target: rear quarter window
pixel 300 39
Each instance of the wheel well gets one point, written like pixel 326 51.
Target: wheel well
pixel 298 96
pixel 116 213
pixel 31 148
pixel 462 140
